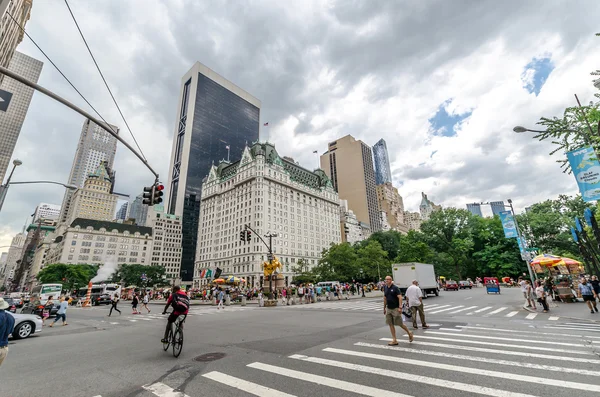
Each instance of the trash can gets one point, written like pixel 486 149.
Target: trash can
pixel 243 300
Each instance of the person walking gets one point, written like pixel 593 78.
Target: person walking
pixel 391 309
pixel 7 326
pixel 541 295
pixel 523 285
pixel 588 294
pixel 134 304
pixel 113 304
pixel 220 298
pixel 415 302
pixel 595 285
pixel 47 309
pixel 530 292
pixel 145 301
pixel 61 313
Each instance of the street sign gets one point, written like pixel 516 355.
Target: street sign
pixel 5 98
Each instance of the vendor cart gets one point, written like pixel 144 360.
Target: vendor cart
pixel 491 285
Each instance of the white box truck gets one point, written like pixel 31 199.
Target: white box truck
pixel 405 273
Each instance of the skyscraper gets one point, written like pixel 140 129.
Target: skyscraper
pixel 427 207
pixel 215 118
pixel 123 211
pixel 383 173
pixel 475 209
pixel 11 121
pixel 95 146
pixel 10 33
pixel 138 211
pixel 95 200
pixel 349 165
pixel 46 211
pixel 497 207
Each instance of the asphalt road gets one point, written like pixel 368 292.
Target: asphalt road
pixel 478 344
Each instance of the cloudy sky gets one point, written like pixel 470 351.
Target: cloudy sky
pixel 444 82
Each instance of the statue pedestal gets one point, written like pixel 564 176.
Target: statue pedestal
pixel 270 303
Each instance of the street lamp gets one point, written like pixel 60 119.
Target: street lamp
pixel 4 188
pixel 520 129
pixel 8 183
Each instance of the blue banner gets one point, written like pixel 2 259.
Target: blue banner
pixel 586 169
pixel 508 223
pixel 575 237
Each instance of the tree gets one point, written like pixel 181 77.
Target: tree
pixel 302 272
pixel 414 248
pixel 493 253
pixel 448 231
pixel 338 263
pixel 70 276
pixel 389 241
pixel 132 275
pixel 372 259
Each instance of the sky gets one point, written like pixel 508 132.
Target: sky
pixel 443 82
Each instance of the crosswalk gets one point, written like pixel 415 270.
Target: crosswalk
pixel 196 312
pixel 431 309
pixel 447 361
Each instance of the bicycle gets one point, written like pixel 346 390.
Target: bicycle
pixel 175 336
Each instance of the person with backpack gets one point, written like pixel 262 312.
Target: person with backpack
pixel 181 304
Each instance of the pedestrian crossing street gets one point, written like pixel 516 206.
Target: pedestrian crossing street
pixel 445 362
pixel 434 308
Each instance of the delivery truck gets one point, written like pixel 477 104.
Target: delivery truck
pixel 405 273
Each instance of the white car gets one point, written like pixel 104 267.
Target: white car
pixel 26 325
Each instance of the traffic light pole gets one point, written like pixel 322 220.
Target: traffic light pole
pixel 270 249
pixel 82 112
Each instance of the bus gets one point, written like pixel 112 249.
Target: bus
pixel 44 291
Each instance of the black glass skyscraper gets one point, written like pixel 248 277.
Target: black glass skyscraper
pixel 383 174
pixel 215 120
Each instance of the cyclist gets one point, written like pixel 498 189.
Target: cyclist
pixel 180 303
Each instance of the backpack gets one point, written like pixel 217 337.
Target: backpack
pixel 180 303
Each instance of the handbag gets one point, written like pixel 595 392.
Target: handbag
pixel 406 310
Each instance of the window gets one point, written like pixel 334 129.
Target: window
pixel 73 242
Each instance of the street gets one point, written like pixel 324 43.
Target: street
pixel 478 344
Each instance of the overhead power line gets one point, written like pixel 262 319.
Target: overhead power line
pixel 60 71
pixel 103 79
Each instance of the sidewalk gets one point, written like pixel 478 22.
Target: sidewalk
pixel 573 311
pixel 199 302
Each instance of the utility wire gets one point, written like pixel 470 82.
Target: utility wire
pixel 59 71
pixel 103 79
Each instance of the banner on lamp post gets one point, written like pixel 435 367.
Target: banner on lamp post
pixel 586 169
pixel 508 224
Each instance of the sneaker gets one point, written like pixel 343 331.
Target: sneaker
pixel 591 311
pixel 596 309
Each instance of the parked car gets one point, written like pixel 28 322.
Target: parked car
pixel 465 284
pixel 26 325
pixel 37 309
pixel 451 284
pixel 12 306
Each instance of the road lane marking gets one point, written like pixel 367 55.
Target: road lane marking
pixel 476 342
pixel 448 384
pixel 531 316
pixel 463 310
pixel 480 359
pixel 503 330
pixel 439 307
pixel 248 387
pixel 444 310
pixel 497 311
pixel 511 314
pixel 511 339
pixel 479 311
pixel 322 380
pixel 451 329
pixel 506 352
pixel 553 318
pixel 159 389
pixel 469 370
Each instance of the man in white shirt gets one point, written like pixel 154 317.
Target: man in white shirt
pixel 415 302
pixel 523 285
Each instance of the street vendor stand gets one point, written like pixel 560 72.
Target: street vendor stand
pixel 491 285
pixel 565 271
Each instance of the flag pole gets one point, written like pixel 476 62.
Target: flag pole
pixel 318 159
pixel 228 150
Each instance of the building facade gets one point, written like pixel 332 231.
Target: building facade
pixel 427 207
pixel 413 220
pixel 272 195
pixel 39 261
pixel 46 211
pixel 12 120
pixel 349 165
pixel 14 254
pixel 351 230
pixel 383 172
pixel 95 146
pixel 138 211
pixel 215 119
pixel 497 207
pixel 166 247
pixel 475 209
pixel 123 212
pixel 98 242
pixel 11 34
pixel 94 200
pixel 392 205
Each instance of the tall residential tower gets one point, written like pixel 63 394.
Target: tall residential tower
pixel 11 34
pixel 215 119
pixel 383 173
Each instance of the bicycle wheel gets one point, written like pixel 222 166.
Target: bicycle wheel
pixel 169 341
pixel 177 342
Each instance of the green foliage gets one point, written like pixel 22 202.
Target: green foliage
pixel 303 273
pixel 70 276
pixel 338 262
pixel 132 275
pixel 372 259
pixel 414 248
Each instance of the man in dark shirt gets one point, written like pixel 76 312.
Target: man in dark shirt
pixel 7 325
pixel 392 299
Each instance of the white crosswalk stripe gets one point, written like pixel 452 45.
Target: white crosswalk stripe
pixel 192 312
pixel 449 366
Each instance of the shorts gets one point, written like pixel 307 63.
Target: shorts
pixel 588 298
pixel 393 317
pixel 525 295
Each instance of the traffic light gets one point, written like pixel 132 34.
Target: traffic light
pixel 248 235
pixel 148 195
pixel 158 193
pixel 243 235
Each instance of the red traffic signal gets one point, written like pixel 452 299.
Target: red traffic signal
pixel 158 193
pixel 160 187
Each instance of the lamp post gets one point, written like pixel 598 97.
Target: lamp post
pixel 4 188
pixel 8 183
